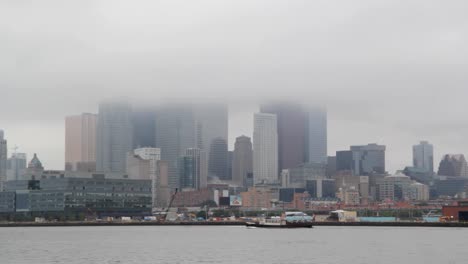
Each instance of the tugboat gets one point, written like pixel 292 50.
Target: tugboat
pixel 287 220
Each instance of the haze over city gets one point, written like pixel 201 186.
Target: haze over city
pixel 213 131
pixel 390 72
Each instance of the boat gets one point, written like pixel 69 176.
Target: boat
pixel 287 220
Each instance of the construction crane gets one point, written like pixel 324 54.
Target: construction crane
pixel 163 219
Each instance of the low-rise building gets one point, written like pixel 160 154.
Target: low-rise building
pixel 259 197
pixel 400 187
pixel 77 194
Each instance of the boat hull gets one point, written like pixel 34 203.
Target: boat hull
pixel 287 225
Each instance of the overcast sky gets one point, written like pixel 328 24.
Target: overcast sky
pixel 391 72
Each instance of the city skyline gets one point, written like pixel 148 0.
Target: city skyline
pixel 378 86
pixel 173 131
pixel 53 153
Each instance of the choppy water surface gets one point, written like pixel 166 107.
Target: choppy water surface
pixel 156 244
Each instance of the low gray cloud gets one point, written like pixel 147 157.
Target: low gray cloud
pixel 389 71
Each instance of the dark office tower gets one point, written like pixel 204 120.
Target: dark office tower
pixel 242 160
pixel 331 166
pixel 453 165
pixel 144 125
pixel 292 128
pixel 368 159
pixel 114 136
pixel 230 156
pixel 344 160
pixel 175 132
pixel 187 177
pixel 217 163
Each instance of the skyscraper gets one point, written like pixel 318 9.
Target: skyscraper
pixel 212 121
pixel 265 149
pixel 200 167
pixel 316 135
pixel 423 156
pixel 242 160
pixel 157 174
pixel 16 166
pixel 144 128
pixel 3 159
pixel 176 131
pixel 142 163
pixel 80 142
pixel 453 165
pixel 368 159
pixel 291 131
pixel 218 159
pixel 114 136
pixel 160 186
pixel 230 157
pixel 344 160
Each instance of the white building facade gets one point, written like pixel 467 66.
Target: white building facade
pixel 265 149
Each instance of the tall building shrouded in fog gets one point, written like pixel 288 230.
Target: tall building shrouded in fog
pixel 212 123
pixel 291 132
pixel 144 128
pixel 423 156
pixel 242 160
pixel 114 136
pixel 302 133
pixel 218 159
pixel 212 128
pixel 3 159
pixel 176 131
pixel 265 149
pixel 368 159
pixel 80 142
pixel 453 165
pixel 316 136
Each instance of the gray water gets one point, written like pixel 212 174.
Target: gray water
pixel 156 244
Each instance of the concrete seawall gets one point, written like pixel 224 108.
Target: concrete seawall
pixel 232 223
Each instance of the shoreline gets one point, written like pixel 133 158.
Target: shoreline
pixel 229 223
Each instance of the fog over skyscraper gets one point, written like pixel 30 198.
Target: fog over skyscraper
pixel 80 142
pixel 3 159
pixel 144 128
pixel 114 136
pixel 218 160
pixel 423 156
pixel 265 149
pixel 291 129
pixel 242 160
pixel 176 131
pixel 212 123
pixel 316 125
